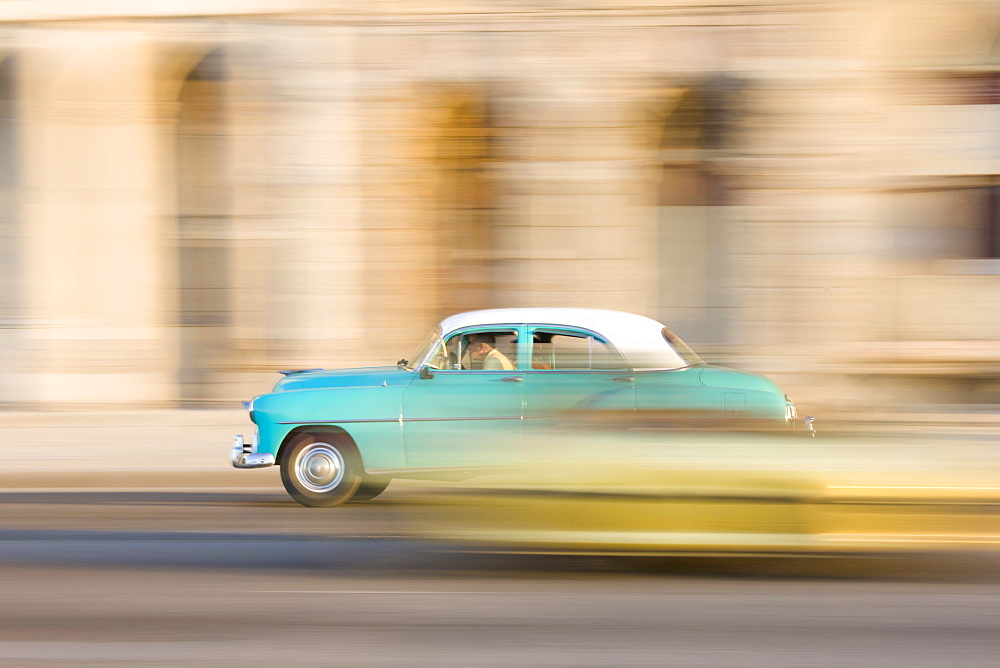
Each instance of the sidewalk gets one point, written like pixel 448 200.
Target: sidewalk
pixel 153 448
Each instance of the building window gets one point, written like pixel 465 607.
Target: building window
pixel 953 119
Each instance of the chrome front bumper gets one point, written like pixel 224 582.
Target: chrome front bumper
pixel 244 456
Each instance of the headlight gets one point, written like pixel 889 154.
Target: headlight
pixel 249 406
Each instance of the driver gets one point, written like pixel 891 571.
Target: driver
pixel 483 349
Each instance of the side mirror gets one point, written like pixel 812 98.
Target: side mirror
pixel 425 373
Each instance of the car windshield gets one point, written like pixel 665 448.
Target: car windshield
pixel 430 344
pixel 681 348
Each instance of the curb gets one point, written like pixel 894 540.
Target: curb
pixel 140 479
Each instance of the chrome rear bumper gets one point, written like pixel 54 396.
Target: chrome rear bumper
pixel 810 425
pixel 245 458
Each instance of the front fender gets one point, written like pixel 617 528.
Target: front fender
pixel 369 415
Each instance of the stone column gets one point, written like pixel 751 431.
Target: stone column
pixel 93 244
pixel 581 227
pixel 809 236
pixel 298 199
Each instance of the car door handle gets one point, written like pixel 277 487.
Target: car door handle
pixel 512 379
pixel 623 379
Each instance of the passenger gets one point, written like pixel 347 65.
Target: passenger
pixel 483 349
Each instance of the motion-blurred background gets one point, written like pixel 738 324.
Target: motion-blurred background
pixel 195 195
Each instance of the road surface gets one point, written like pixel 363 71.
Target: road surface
pixel 246 577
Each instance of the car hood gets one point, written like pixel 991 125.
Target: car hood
pixel 331 378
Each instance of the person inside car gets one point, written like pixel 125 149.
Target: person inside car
pixel 483 350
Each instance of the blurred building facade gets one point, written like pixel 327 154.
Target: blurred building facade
pixel 196 195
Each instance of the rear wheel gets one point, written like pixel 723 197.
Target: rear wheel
pixel 321 470
pixel 370 487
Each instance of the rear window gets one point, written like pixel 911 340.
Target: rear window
pixel 681 348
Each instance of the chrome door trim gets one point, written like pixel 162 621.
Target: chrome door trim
pixel 395 419
pixel 400 419
pixel 454 419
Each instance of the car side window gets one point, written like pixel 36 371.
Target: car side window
pixel 562 351
pixel 483 350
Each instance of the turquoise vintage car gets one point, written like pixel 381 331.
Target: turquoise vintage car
pixel 466 401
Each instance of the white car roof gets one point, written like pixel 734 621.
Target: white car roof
pixel 639 338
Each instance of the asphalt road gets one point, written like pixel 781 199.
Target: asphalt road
pixel 217 576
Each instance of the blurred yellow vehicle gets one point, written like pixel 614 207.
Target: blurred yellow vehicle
pixel 723 492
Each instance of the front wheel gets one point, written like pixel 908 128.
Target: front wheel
pixel 320 471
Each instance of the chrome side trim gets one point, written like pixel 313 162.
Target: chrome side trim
pixel 339 421
pixel 434 419
pixel 456 419
pixel 469 468
pixel 593 372
pixel 476 372
pixel 356 387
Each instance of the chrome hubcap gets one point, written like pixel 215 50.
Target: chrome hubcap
pixel 320 467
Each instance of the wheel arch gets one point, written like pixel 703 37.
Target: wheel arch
pixel 342 437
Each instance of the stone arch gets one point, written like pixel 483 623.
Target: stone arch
pixel 431 228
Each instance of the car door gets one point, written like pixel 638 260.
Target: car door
pixel 457 413
pixel 571 370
